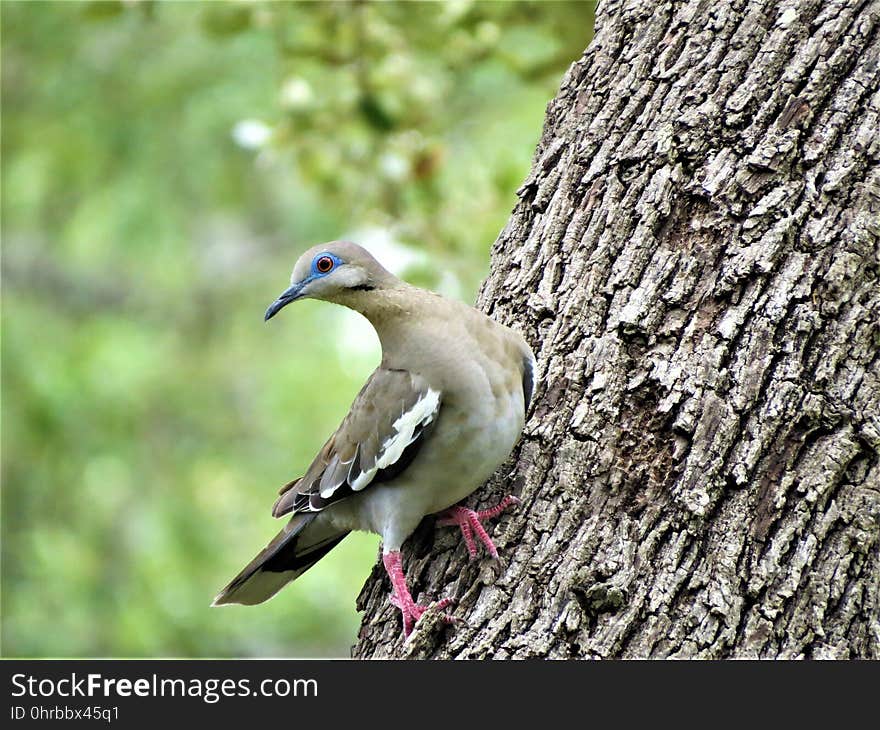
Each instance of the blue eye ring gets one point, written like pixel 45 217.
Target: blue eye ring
pixel 324 263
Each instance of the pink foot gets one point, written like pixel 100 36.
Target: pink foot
pixel 401 597
pixel 470 521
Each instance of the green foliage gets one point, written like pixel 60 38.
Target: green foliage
pixel 163 165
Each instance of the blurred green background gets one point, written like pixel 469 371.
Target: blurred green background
pixel 163 165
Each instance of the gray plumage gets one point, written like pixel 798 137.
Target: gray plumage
pixel 441 412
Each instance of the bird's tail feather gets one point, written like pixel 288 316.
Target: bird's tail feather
pixel 294 550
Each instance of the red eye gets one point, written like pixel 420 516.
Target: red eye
pixel 324 264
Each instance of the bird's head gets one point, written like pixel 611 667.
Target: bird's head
pixel 339 271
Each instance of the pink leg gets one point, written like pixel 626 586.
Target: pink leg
pixel 401 596
pixel 470 521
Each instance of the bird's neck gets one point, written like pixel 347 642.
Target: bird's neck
pixel 394 310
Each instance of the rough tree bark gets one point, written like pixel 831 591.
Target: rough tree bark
pixel 695 258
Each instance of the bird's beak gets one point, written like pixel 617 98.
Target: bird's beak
pixel 287 296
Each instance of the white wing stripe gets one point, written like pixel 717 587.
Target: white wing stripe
pixel 421 414
pixel 363 479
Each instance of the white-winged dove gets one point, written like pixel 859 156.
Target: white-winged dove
pixel 441 412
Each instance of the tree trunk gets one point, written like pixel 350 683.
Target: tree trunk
pixel 694 258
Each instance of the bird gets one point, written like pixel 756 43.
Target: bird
pixel 441 412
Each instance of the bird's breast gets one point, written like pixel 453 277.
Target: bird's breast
pixel 470 442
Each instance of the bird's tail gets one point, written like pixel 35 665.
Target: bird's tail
pixel 301 544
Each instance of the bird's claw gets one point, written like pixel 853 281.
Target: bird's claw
pixel 470 522
pixel 412 612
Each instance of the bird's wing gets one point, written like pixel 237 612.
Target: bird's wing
pixel 378 439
